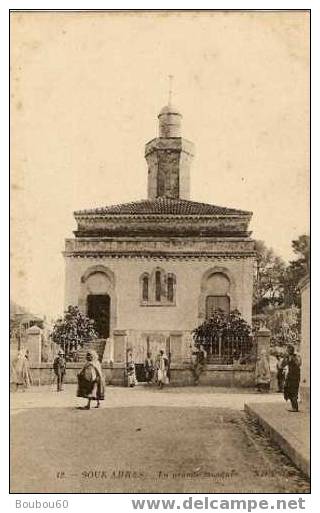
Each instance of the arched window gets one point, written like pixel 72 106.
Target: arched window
pixel 158 286
pixel 170 288
pixel 145 288
pixel 217 289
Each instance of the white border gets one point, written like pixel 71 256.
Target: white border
pixel 82 502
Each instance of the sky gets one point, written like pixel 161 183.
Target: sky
pixel 86 89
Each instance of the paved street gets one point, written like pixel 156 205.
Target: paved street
pixel 145 440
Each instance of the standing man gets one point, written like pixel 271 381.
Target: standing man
pixel 292 381
pixel 148 368
pixel 59 367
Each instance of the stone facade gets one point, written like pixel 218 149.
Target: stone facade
pixel 159 260
pixel 120 278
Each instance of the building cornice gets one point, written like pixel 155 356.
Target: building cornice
pixel 160 217
pixel 158 256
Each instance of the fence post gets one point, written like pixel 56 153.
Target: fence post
pixel 263 340
pixel 176 347
pixel 220 345
pixel 120 346
pixel 33 344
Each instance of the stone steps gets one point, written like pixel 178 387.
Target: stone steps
pixel 97 345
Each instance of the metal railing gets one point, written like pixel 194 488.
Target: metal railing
pixel 228 349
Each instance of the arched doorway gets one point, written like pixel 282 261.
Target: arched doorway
pixel 98 299
pixel 98 309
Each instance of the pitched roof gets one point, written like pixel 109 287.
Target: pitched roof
pixel 165 206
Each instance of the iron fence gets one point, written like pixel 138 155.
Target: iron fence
pixel 229 349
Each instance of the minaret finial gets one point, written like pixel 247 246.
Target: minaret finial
pixel 170 89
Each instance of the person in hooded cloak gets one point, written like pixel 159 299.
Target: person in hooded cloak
pixel 90 380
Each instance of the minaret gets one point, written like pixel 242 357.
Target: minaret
pixel 169 157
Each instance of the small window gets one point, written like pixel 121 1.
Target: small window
pixel 158 286
pixel 170 285
pixel 145 288
pixel 214 303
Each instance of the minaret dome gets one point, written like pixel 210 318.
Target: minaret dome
pixel 169 122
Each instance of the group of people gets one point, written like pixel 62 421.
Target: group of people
pixel 288 375
pixel 91 381
pixel 156 371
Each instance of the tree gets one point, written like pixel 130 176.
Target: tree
pixel 73 330
pixel 284 324
pixel 296 270
pixel 268 285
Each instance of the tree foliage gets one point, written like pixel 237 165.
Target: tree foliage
pixel 73 330
pixel 296 270
pixel 275 283
pixel 268 287
pixel 221 324
pixel 284 324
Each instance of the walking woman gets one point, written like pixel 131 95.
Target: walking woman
pixel 90 380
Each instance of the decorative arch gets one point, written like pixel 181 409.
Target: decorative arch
pixel 98 269
pixel 171 287
pixel 99 280
pixel 144 287
pixel 206 289
pixel 158 280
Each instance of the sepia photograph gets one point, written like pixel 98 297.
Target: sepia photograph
pixel 160 251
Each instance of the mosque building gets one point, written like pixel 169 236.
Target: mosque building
pixel 150 271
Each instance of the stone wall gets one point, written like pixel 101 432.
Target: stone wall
pixel 181 375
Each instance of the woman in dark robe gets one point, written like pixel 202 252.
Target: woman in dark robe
pixel 90 380
pixel 292 381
